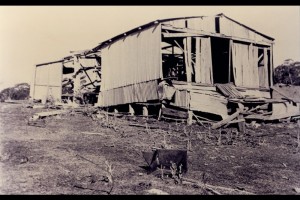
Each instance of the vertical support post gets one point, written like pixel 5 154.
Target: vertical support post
pixel 266 61
pixel 188 58
pixel 241 125
pixel 271 66
pixel 190 117
pixel 116 110
pixel 229 63
pixel 198 61
pixel 145 111
pixel 160 111
pixel 61 78
pixel 34 83
pixel 131 110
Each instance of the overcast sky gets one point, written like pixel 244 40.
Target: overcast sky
pixel 30 35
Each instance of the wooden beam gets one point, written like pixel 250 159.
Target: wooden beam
pixel 173 112
pixel 229 63
pixel 187 58
pixel 204 33
pixel 198 61
pixel 227 120
pixel 271 66
pixel 175 35
pixel 50 113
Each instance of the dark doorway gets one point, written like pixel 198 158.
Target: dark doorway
pixel 220 60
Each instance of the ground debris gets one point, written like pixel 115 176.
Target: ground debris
pixel 156 192
pixel 297 189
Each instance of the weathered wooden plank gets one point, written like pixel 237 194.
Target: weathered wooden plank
pixel 175 35
pixel 174 112
pixel 50 113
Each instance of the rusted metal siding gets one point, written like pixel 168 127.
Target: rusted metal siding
pixel 140 92
pixel 133 59
pixel 48 81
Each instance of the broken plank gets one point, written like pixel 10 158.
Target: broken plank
pixel 91 133
pixel 225 121
pixel 144 126
pixel 234 121
pixel 50 113
pixel 172 35
pixel 168 118
pixel 216 189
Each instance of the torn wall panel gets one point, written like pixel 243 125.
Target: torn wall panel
pixel 209 104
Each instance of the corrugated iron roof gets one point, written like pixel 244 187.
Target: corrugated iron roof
pixel 106 42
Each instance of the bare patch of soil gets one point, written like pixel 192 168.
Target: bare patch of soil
pixel 68 156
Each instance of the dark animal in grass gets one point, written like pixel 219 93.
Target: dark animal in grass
pixel 164 157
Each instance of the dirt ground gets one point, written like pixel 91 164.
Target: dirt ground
pixel 68 155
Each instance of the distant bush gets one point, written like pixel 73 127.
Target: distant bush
pixel 18 92
pixel 288 73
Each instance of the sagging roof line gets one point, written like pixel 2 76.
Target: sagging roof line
pixel 139 28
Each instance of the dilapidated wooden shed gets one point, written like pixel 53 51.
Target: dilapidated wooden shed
pixel 73 77
pixel 205 65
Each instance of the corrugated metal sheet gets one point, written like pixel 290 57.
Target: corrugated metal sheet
pixel 140 92
pixel 48 80
pixel 201 23
pixel 231 28
pixel 228 90
pixel 245 65
pixel 133 59
pixel 204 23
pixel 42 92
pixel 194 22
pixel 209 104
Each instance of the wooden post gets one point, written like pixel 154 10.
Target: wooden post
pixel 190 117
pixel 229 63
pixel 187 58
pixel 266 63
pixel 145 111
pixel 131 110
pixel 160 110
pixel 271 66
pixel 242 124
pixel 198 61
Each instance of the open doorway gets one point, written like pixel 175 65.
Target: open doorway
pixel 220 60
